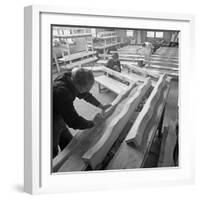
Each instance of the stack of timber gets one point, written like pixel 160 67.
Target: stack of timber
pixel 89 147
pixel 132 151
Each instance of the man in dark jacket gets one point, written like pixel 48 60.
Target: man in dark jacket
pixel 114 63
pixel 66 88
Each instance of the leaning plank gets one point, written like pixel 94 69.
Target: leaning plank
pixel 124 76
pixel 80 63
pixel 143 71
pixel 132 67
pixel 97 153
pixel 135 135
pixel 75 143
pixel 132 55
pixel 163 67
pixel 73 35
pixel 79 55
pixel 167 72
pixel 167 147
pixel 155 62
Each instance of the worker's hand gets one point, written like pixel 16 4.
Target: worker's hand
pixel 98 118
pixel 104 107
pixel 115 67
pixel 90 124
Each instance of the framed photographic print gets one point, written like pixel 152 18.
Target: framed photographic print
pixel 106 99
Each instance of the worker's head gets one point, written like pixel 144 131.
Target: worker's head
pixel 115 56
pixel 144 44
pixel 83 79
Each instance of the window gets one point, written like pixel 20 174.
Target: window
pixel 129 33
pixel 159 34
pixel 150 34
pixel 94 33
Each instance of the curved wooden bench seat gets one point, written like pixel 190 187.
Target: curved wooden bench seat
pixel 135 135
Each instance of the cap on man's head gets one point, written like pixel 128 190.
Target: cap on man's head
pixel 83 77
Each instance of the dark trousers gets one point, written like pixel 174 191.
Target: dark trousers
pixel 61 135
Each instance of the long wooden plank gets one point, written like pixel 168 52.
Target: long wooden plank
pixel 153 56
pixel 106 46
pixel 171 74
pixel 154 66
pixel 135 135
pixel 78 63
pixel 132 67
pixel 73 35
pixel 167 147
pixel 130 156
pixel 80 136
pixel 97 153
pixel 155 63
pixel 107 37
pixel 142 71
pixel 77 56
pixel 165 54
pixel 169 51
pixel 164 61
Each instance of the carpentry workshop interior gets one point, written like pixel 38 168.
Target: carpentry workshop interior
pixel 136 73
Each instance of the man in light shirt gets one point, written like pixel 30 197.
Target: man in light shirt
pixel 146 51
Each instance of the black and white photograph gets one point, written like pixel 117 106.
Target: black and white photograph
pixel 114 98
